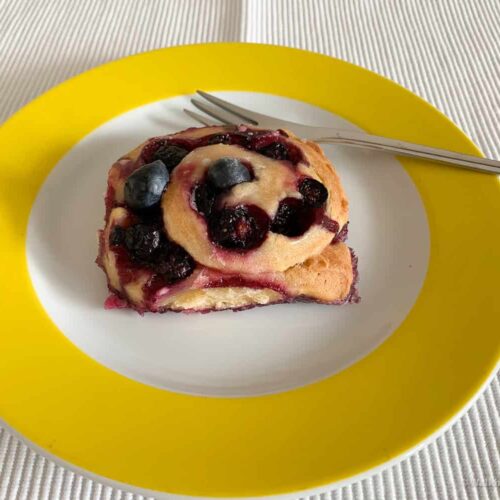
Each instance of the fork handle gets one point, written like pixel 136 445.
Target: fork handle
pixel 378 143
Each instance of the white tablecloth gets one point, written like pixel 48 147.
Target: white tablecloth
pixel 446 51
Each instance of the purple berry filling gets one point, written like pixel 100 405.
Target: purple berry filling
pixel 273 144
pixel 342 234
pixel 330 224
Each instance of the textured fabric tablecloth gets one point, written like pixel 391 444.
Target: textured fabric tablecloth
pixel 446 51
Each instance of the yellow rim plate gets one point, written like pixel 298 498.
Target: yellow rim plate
pixel 405 390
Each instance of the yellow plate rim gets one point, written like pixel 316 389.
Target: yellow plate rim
pixel 159 495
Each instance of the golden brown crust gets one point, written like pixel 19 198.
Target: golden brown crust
pixel 218 299
pixel 326 277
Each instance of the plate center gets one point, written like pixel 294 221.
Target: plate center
pixel 248 353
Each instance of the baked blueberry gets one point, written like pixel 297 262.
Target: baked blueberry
pixel 117 236
pixel 171 156
pixel 144 187
pixel 313 192
pixel 275 150
pixel 293 218
pixel 227 172
pixel 240 228
pixel 142 240
pixel 204 198
pixel 174 263
pixel 218 139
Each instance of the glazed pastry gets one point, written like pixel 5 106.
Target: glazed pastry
pixel 220 218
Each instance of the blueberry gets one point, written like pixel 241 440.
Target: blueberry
pixel 275 150
pixel 117 236
pixel 144 187
pixel 142 240
pixel 227 172
pixel 313 192
pixel 240 228
pixel 219 139
pixel 279 150
pixel 174 263
pixel 293 217
pixel 204 198
pixel 171 156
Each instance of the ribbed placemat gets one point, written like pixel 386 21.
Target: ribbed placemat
pixel 446 51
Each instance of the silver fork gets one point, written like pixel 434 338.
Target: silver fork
pixel 225 112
